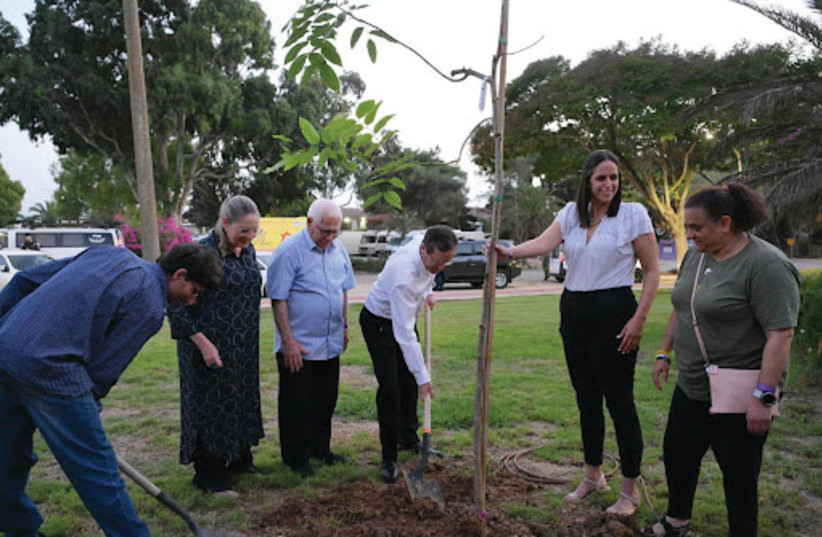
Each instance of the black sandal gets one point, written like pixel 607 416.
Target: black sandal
pixel 670 531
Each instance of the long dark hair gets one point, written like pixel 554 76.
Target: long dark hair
pixel 584 194
pixel 745 206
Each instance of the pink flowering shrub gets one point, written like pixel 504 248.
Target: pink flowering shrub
pixel 170 234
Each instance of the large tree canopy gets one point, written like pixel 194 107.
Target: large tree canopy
pixel 11 197
pixel 205 68
pixel 631 102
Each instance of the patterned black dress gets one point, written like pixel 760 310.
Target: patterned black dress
pixel 220 408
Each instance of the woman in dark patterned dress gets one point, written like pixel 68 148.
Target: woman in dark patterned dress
pixel 218 354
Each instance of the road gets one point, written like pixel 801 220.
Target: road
pixel 530 282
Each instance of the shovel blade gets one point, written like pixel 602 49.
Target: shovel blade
pixel 419 487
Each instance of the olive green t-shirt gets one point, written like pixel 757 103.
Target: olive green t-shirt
pixel 739 300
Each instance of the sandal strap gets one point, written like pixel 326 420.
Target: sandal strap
pixel 673 531
pixel 630 498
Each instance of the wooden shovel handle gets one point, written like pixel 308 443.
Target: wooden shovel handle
pixel 426 403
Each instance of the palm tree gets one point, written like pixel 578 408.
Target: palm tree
pixel 780 122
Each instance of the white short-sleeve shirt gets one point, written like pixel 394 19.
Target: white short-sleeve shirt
pixel 608 259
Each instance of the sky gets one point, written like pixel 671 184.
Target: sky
pixel 432 112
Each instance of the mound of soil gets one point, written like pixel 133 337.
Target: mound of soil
pixel 364 509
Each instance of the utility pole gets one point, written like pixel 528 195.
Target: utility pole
pixel 140 128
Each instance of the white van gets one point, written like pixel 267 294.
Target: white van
pixel 61 242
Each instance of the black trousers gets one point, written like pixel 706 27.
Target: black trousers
pixel 397 392
pixel 691 430
pixel 306 404
pixel 590 322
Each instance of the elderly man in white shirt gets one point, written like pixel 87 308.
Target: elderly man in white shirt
pixel 388 323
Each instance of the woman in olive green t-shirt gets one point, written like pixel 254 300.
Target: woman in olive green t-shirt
pixel 746 304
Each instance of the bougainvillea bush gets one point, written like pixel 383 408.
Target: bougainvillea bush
pixel 170 234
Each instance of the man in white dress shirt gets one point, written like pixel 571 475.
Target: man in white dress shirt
pixel 388 323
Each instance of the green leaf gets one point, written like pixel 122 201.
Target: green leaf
pixel 364 108
pixel 295 36
pixel 272 169
pixel 329 76
pixel 380 33
pixel 381 123
pixel 297 66
pixel 308 130
pixel 361 140
pixel 307 155
pixel 324 17
pixel 372 184
pixel 355 36
pixel 325 154
pixel 315 59
pixel 393 199
pixel 290 160
pixel 371 149
pixel 372 200
pixel 292 53
pixel 330 53
pixel 397 183
pixel 282 138
pixel 372 114
pixel 372 50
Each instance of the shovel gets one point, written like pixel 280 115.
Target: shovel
pixel 154 491
pixel 418 486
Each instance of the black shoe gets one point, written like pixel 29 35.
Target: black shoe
pixel 242 468
pixel 389 472
pixel 414 447
pixel 212 483
pixel 303 470
pixel 332 458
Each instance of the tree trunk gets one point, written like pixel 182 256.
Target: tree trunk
pixel 140 126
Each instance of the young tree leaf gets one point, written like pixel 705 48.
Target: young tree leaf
pixel 297 66
pixel 355 36
pixel 372 50
pixel 308 130
pixel 371 200
pixel 393 199
pixel 380 33
pixel 330 53
pixel 293 51
pixel 396 182
pixel 329 76
pixel 364 108
pixel 361 140
pixel 372 115
pixel 381 123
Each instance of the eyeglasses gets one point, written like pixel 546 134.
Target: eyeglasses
pixel 327 232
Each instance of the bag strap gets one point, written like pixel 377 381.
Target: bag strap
pixel 697 331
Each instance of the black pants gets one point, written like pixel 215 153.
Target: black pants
pixel 397 392
pixel 691 430
pixel 306 404
pixel 590 322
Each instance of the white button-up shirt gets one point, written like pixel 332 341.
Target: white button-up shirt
pixel 398 294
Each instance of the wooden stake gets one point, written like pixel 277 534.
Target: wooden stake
pixel 489 289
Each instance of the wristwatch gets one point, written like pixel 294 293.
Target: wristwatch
pixel 766 398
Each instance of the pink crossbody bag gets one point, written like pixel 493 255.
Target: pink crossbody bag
pixel 731 389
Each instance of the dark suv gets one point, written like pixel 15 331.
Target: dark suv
pixel 468 266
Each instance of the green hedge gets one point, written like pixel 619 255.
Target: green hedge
pixel 807 360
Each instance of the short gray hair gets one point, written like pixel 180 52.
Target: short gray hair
pixel 323 207
pixel 233 209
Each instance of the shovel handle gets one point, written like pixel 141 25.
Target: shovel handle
pixel 426 403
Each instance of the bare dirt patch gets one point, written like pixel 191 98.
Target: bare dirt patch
pixel 364 508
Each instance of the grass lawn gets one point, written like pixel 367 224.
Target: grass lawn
pixel 531 404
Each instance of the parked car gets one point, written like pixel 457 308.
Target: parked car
pixel 262 263
pixel 60 242
pixel 553 264
pixel 13 261
pixel 468 266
